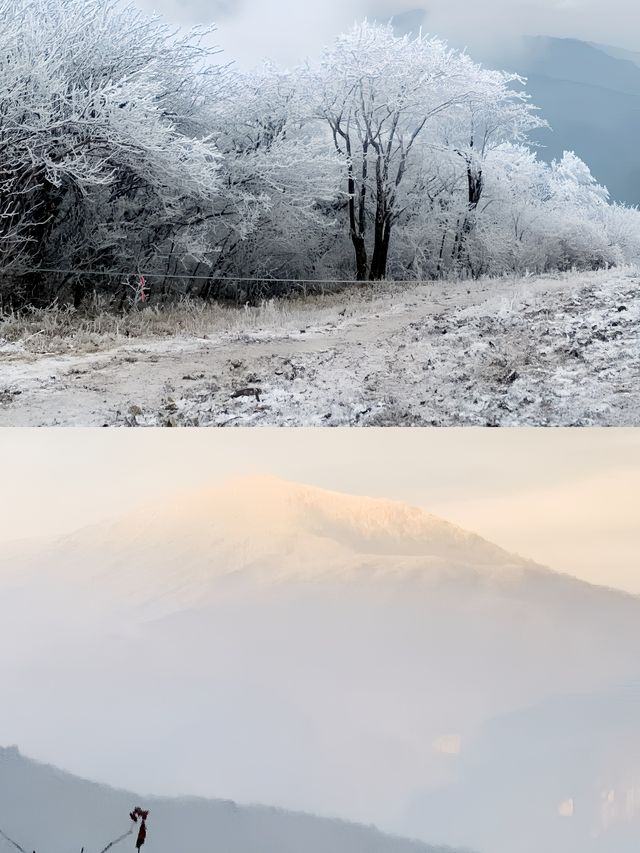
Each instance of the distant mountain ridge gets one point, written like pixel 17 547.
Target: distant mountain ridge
pixel 618 52
pixel 577 61
pixel 588 92
pixel 591 100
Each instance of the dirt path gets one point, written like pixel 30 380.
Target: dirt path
pixel 543 350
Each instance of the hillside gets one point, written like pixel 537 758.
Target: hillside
pixel 47 809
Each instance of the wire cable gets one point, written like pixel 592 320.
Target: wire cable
pixel 186 277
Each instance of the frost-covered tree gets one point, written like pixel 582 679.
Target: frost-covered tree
pixel 497 113
pixel 103 154
pixel 531 216
pixel 377 92
pixel 538 216
pixel 126 147
pixel 278 175
pixel 390 102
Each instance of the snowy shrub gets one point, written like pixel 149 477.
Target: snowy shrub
pixel 102 156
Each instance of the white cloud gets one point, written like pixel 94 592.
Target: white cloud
pixel 289 30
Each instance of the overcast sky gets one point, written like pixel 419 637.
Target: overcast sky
pixel 287 30
pixel 567 498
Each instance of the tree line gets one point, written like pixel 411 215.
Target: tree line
pixel 128 149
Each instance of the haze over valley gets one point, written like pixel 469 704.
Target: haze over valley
pixel 270 642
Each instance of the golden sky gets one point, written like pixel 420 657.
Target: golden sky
pixel 566 498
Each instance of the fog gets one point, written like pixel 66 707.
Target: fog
pixel 289 30
pixel 270 642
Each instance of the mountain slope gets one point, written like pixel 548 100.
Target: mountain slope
pixel 259 531
pixel 618 52
pixel 576 61
pixel 44 808
pixel 572 764
pixel 591 99
pixel 589 93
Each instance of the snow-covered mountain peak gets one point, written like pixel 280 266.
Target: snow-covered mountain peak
pixel 268 511
pixel 253 532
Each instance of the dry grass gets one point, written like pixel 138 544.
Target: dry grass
pixel 62 329
pixel 59 330
pixel 56 329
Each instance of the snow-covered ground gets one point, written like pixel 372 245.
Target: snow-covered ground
pixel 546 350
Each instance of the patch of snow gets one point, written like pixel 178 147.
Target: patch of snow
pixel 545 350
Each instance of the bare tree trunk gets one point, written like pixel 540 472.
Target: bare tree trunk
pixel 381 232
pixel 357 214
pixel 441 253
pixel 380 256
pixel 361 256
pixel 376 272
pixel 475 186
